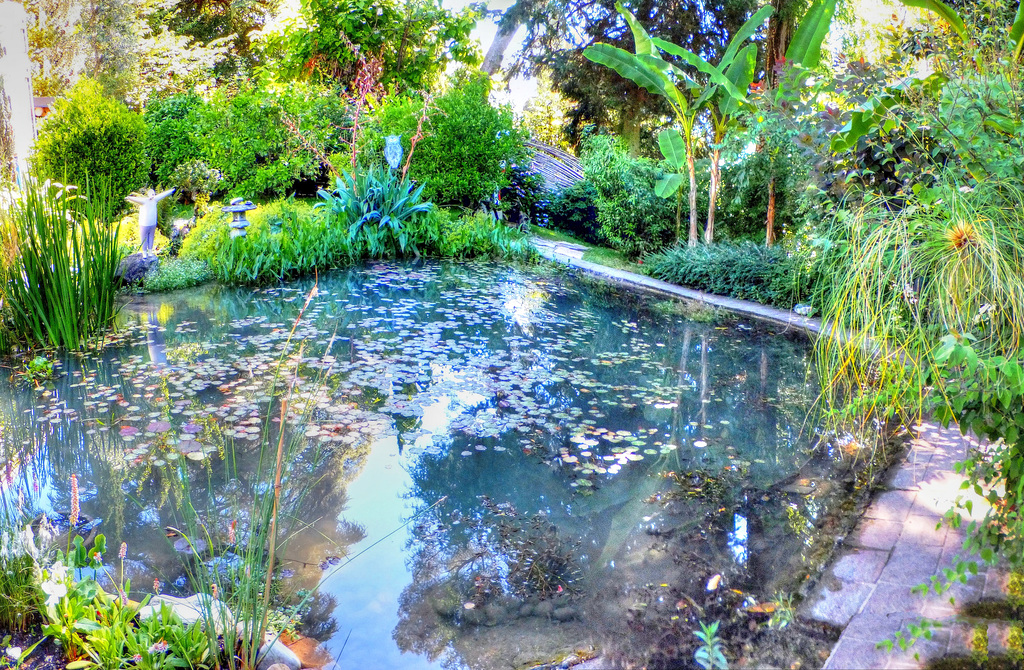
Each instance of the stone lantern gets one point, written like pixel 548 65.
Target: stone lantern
pixel 237 208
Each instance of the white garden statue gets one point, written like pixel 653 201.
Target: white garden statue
pixel 147 217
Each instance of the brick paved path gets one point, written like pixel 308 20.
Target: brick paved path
pixel 894 547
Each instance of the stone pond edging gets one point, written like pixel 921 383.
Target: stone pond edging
pixel 866 590
pixel 571 255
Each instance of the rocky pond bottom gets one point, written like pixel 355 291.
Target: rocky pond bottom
pixel 498 467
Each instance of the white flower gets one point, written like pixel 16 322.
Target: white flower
pixel 58 572
pixel 14 653
pixel 54 592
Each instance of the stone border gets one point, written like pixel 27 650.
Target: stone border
pixel 570 255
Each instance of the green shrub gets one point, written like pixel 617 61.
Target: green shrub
pixel 195 180
pixel 303 242
pixel 244 136
pixel 90 136
pixel 632 218
pixel 170 140
pixel 466 145
pixel 288 239
pixel 574 210
pixel 478 235
pixel 177 273
pixel 768 275
pixel 523 194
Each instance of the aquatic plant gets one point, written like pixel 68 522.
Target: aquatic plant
pixel 242 576
pixel 60 257
pixel 36 370
pixel 709 654
pixel 784 613
pixel 19 601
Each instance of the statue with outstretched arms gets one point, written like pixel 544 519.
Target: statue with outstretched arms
pixel 147 217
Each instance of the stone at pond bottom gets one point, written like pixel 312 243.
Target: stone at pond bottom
pixel 190 610
pixel 277 653
pixel 134 268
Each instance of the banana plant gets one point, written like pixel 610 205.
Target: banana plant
pixel 646 68
pixel 805 48
pixel 726 91
pixel 673 148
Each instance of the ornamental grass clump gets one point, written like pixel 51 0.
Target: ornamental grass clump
pixel 894 282
pixel 60 259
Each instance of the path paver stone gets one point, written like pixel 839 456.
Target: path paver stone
pixel 838 606
pixel 895 547
pixel 876 534
pixel 892 506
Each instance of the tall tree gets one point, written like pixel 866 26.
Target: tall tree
pixel 415 40
pixel 54 46
pixel 557 32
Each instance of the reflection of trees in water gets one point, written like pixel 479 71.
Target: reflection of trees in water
pixel 136 502
pixel 713 379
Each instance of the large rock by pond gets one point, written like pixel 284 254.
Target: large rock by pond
pixel 192 609
pixel 134 268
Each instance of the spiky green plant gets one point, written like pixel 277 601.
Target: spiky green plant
pixel 60 258
pixel 379 206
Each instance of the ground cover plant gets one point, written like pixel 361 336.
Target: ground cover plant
pixel 768 275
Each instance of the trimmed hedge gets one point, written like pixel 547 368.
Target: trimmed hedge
pixel 768 275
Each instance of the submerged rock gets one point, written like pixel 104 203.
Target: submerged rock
pixel 192 609
pixel 277 653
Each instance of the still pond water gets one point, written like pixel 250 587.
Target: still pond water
pixel 498 466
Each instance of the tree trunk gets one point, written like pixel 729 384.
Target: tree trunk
pixel 630 130
pixel 693 191
pixel 780 31
pixel 716 176
pixel 770 233
pixel 496 53
pixel 679 214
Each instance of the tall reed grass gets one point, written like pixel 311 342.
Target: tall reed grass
pixel 242 571
pixel 59 260
pixel 898 279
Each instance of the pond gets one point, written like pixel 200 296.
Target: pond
pixel 495 466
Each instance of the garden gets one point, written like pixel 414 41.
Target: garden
pixel 290 381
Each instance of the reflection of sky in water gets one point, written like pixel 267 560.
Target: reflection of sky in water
pixel 482 381
pixel 737 538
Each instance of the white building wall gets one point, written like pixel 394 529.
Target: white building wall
pixel 16 69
